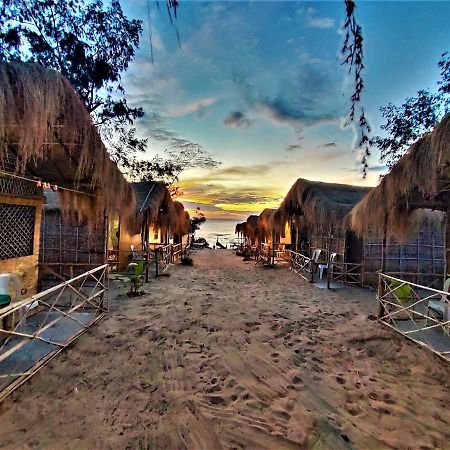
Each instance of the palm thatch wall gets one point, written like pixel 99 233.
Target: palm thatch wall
pixel 420 179
pixel 46 128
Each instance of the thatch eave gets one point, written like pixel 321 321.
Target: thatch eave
pixel 47 134
pixel 315 203
pixel 419 180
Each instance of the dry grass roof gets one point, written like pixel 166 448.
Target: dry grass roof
pixel 420 179
pixel 317 204
pixel 241 228
pixel 252 227
pixel 155 207
pixel 266 223
pixel 47 128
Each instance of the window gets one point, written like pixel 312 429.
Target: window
pixel 16 230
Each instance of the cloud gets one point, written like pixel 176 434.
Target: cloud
pixel 153 125
pixel 236 187
pixel 306 97
pixel 226 194
pixel 215 212
pixel 330 155
pixel 379 168
pixel 239 172
pixel 237 119
pixel 282 112
pixel 198 106
pixel 328 145
pixel 314 21
pixel 294 147
pixel 321 22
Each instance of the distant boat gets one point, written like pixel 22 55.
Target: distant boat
pixel 220 245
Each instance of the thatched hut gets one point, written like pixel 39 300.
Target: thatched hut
pixel 158 220
pixel 47 139
pixel 241 229
pixel 252 230
pixel 315 211
pixel 401 206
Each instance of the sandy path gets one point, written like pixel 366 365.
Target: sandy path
pixel 228 355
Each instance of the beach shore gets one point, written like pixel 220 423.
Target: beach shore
pixel 226 354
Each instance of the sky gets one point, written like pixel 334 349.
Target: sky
pixel 260 87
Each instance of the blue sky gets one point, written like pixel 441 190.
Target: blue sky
pixel 260 86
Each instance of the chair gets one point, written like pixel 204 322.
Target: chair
pixel 320 266
pixel 441 307
pixel 333 256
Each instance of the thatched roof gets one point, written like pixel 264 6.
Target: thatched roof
pixel 420 179
pixel 152 199
pixel 155 207
pixel 179 219
pixel 48 131
pixel 315 203
pixel 241 229
pixel 266 223
pixel 252 227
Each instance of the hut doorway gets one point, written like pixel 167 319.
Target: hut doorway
pixel 354 248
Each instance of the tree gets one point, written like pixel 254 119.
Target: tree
pixel 197 219
pixel 169 168
pixel 91 44
pixel 352 51
pixel 418 115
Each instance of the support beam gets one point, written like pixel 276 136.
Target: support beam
pixel 447 242
pixel 381 310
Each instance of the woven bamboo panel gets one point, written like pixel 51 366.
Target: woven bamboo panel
pixel 16 230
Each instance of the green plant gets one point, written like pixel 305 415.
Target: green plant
pixel 402 291
pixel 187 261
pixel 136 274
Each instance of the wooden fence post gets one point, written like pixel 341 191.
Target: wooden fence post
pixel 381 311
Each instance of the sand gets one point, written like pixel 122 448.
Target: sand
pixel 228 355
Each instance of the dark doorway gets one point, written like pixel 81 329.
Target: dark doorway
pixel 354 248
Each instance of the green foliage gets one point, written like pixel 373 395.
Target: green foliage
pixel 136 274
pixel 418 115
pixel 401 290
pixel 196 220
pixel 91 43
pixel 187 261
pixel 169 168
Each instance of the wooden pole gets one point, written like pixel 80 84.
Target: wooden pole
pixel 273 248
pixel 447 243
pixel 381 311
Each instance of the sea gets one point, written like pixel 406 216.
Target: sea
pixel 214 229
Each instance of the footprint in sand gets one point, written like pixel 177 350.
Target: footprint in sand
pixel 216 400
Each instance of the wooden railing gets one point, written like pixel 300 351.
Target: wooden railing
pixel 348 274
pixel 34 330
pixel 163 258
pixel 158 256
pixel 419 313
pixel 302 265
pixel 272 253
pixel 177 252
